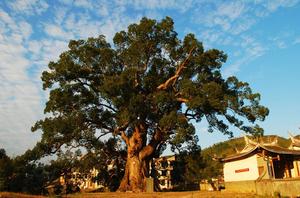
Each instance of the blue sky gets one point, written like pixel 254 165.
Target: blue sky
pixel 261 38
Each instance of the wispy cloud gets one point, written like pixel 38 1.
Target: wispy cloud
pixel 19 95
pixel 226 20
pixel 275 4
pixel 251 49
pixel 296 41
pixel 28 7
pixel 226 15
pixel 57 32
pixel 83 3
pixel 180 5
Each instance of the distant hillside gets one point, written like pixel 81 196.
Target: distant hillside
pixel 230 147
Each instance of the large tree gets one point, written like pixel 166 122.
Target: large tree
pixel 147 88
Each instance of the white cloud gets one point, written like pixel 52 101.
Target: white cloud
pixel 60 14
pixel 82 25
pixel 18 31
pixel 231 10
pixel 83 3
pixel 29 7
pixel 5 18
pixel 34 47
pixel 103 9
pixel 225 15
pixel 19 95
pixel 42 52
pixel 236 17
pixel 281 44
pixel 227 20
pixel 66 2
pixel 51 49
pixel 296 41
pixel 25 29
pixel 249 50
pixel 243 25
pixel 181 5
pixel 282 40
pixel 264 8
pixel 57 32
pixel 232 69
pixel 275 4
pixel 210 36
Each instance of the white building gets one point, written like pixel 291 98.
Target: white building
pixel 260 160
pixel 164 167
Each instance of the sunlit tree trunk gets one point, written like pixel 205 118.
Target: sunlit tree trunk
pixel 137 165
pixel 136 172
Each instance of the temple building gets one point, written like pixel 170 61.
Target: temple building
pixel 265 162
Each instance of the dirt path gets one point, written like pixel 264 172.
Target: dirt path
pixel 190 194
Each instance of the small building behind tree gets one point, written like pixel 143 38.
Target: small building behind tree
pixel 165 166
pixel 261 164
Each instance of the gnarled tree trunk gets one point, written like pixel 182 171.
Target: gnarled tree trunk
pixel 138 157
pixel 136 172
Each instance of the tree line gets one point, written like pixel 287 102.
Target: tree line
pixel 20 175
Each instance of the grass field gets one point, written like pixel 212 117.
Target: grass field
pixel 189 194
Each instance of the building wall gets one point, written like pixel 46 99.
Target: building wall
pixel 262 166
pixel 295 171
pixel 267 188
pixel 241 186
pixel 165 171
pixel 241 170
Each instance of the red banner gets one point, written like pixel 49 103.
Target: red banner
pixel 242 170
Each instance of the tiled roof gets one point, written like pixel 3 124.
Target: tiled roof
pixel 272 149
pixel 281 150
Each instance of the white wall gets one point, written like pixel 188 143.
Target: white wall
pixel 231 169
pixel 294 170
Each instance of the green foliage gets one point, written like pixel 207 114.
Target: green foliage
pixel 148 77
pixel 95 86
pixel 108 154
pixel 187 169
pixel 18 176
pixel 5 170
pixel 192 166
pixel 25 174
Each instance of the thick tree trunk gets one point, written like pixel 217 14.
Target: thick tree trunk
pixel 138 156
pixel 136 172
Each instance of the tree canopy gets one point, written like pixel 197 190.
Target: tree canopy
pixel 146 88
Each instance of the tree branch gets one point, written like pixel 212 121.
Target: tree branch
pixel 109 107
pixel 151 147
pixel 182 100
pixel 95 91
pixel 103 134
pixel 124 137
pixel 165 85
pixel 121 131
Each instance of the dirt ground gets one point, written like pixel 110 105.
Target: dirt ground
pixel 189 194
pixel 18 195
